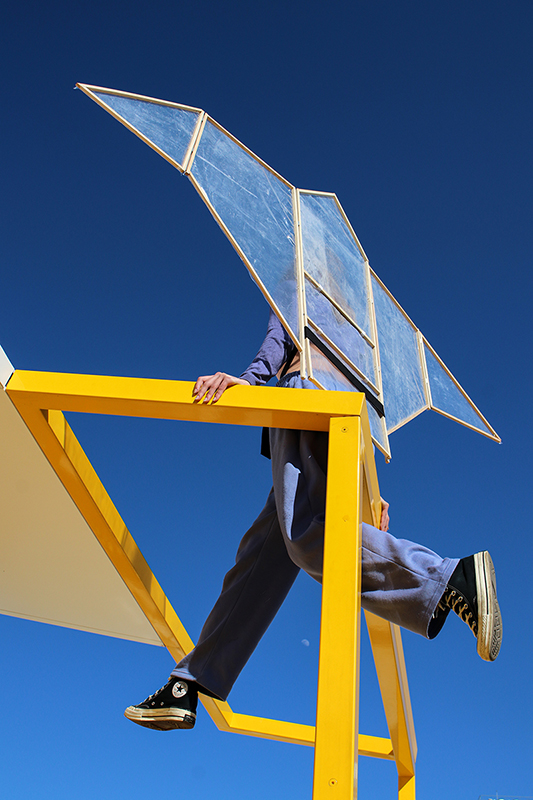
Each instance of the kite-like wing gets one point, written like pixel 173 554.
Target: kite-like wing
pixel 302 252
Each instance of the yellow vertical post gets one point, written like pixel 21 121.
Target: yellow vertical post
pixel 337 717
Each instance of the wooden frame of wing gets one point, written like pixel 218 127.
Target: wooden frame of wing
pixel 300 341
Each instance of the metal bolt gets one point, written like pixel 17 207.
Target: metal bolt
pixel 333 782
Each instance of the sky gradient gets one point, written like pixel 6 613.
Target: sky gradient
pixel 418 116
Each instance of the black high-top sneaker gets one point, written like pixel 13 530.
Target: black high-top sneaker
pixel 173 706
pixel 471 593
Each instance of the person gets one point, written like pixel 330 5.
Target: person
pixel 402 581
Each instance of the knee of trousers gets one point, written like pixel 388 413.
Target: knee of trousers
pixel 307 552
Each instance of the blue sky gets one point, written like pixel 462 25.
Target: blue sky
pixel 418 115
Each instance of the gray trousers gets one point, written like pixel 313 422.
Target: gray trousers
pixel 401 581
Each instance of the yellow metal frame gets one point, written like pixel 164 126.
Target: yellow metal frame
pixel 42 397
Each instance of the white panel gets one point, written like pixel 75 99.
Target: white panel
pixel 53 567
pixel 6 368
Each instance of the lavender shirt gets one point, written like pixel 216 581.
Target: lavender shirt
pixel 277 349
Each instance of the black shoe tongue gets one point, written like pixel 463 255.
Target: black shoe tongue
pixel 463 580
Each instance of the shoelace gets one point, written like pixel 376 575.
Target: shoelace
pixel 152 695
pixel 456 602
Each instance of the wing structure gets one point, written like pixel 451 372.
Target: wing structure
pixel 302 252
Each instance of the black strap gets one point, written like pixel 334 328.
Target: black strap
pixel 265 442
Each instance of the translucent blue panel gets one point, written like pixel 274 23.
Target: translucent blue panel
pixel 401 371
pixel 168 128
pixel 341 332
pixel 330 378
pixel 446 396
pixel 256 207
pixel 332 257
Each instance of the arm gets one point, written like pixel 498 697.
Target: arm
pixel 277 347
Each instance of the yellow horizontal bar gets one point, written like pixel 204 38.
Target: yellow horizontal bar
pixel 279 730
pixel 375 747
pixel 293 732
pixel 147 397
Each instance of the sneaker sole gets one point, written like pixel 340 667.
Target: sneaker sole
pixel 489 638
pixel 167 719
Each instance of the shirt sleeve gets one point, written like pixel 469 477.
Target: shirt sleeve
pixel 276 349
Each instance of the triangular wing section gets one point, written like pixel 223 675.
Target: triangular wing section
pixel 169 128
pixel 450 399
pixel 414 377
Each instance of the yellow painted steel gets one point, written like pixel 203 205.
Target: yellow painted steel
pixel 338 673
pixel 352 495
pixel 163 399
pixel 406 787
pixel 387 649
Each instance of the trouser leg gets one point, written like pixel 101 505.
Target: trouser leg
pixel 252 593
pixel 402 581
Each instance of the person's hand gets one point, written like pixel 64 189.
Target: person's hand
pixel 384 522
pixel 212 387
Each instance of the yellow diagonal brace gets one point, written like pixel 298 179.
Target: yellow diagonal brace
pixel 387 649
pixel 406 787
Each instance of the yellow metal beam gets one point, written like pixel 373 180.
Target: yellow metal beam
pixel 338 672
pixel 263 406
pixel 406 787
